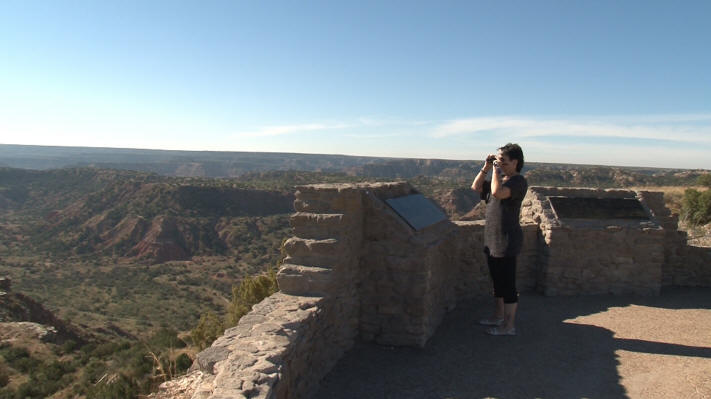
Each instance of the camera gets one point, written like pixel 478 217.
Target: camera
pixel 491 159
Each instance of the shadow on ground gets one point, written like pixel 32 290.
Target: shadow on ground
pixel 550 358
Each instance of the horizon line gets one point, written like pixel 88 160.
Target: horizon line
pixel 342 155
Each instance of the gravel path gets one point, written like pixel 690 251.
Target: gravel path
pixel 567 347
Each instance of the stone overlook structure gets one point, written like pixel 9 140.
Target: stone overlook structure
pixel 610 253
pixel 356 270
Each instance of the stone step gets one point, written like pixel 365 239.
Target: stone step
pixel 328 262
pixel 318 225
pixel 297 247
pixel 323 219
pixel 304 280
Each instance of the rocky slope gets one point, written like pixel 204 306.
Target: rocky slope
pixel 130 214
pixel 21 315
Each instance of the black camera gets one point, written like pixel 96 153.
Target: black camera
pixel 491 159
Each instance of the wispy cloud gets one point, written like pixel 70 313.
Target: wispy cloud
pixel 692 128
pixel 279 130
pixel 390 121
pixel 358 127
pixel 374 136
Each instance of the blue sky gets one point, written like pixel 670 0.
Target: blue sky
pixel 616 83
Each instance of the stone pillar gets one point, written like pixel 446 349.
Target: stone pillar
pixel 322 260
pixel 674 239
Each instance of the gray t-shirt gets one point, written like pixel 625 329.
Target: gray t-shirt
pixel 503 235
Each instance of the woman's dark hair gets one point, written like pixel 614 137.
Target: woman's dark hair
pixel 513 151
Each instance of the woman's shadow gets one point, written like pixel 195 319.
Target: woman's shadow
pixel 550 358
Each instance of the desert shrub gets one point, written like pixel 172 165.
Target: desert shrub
pixel 166 338
pixel 138 363
pixel 105 349
pixel 4 375
pixel 94 371
pixel 117 386
pixel 208 329
pixel 250 291
pixel 52 372
pixel 696 207
pixel 183 363
pixel 12 353
pixel 69 346
pixel 37 388
pixel 704 180
pixel 87 349
pixel 44 378
pixel 26 364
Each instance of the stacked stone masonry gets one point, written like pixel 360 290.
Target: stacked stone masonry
pixel 684 265
pixel 594 256
pixel 267 355
pixel 355 269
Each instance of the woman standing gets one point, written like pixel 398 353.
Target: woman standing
pixel 503 236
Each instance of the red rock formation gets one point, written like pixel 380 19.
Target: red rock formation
pixel 163 242
pixel 130 228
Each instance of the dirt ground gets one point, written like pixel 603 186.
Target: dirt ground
pixel 566 347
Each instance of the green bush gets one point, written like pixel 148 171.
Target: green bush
pixel 12 353
pixel 4 375
pixel 138 363
pixel 69 346
pixel 166 338
pixel 704 180
pixel 183 363
pixel 55 371
pixel 37 388
pixel 250 291
pixel 696 206
pixel 26 364
pixel 208 329
pixel 105 349
pixel 94 371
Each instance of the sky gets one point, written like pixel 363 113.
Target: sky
pixel 584 82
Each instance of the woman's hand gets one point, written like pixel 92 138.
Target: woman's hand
pixel 478 183
pixel 489 163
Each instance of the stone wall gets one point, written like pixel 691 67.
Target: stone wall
pixel 289 341
pixel 696 270
pixel 269 354
pixel 472 271
pixel 584 256
pixel 355 269
pixel 684 265
pixel 404 274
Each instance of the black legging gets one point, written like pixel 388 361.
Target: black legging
pixel 503 272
